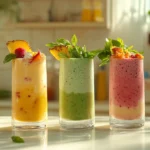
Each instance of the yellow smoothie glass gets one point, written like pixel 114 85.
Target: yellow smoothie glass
pixel 29 90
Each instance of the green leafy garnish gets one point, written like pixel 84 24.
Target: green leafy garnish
pixel 59 42
pixel 74 40
pixel 63 55
pixel 9 57
pixel 17 139
pixel 74 50
pixel 51 45
pixel 105 54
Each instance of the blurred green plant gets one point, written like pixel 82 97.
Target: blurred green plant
pixel 9 6
pixel 149 12
pixel 5 94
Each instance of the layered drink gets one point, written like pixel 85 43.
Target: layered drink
pixel 126 84
pixel 29 87
pixel 76 91
pixel 76 83
pixel 126 90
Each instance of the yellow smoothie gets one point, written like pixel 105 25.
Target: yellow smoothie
pixel 29 89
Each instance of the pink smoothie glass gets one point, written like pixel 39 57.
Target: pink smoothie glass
pixel 126 93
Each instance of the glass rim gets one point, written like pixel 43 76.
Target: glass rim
pixel 127 58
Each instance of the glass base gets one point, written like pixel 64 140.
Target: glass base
pixel 126 124
pixel 28 125
pixel 82 124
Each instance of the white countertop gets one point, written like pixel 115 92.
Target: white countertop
pixel 99 138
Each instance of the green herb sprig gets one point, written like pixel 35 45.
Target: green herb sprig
pixel 9 57
pixel 105 54
pixel 74 50
pixel 17 139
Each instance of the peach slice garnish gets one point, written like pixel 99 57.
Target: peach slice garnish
pixel 36 57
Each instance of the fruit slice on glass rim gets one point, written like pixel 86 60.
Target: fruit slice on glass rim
pixel 36 57
pixel 15 44
pixel 59 49
pixel 17 49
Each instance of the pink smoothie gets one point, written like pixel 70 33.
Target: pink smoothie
pixel 126 89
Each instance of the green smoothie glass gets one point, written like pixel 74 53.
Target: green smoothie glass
pixel 76 83
pixel 76 93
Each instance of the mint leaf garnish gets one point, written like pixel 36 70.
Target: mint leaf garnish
pixel 9 57
pixel 17 139
pixel 93 53
pixel 105 61
pixel 51 45
pixel 105 54
pixel 74 50
pixel 63 42
pixel 63 55
pixel 121 41
pixel 116 43
pixel 74 40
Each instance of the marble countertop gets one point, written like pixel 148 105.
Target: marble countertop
pixel 101 137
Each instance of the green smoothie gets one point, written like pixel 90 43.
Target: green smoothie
pixel 76 89
pixel 77 106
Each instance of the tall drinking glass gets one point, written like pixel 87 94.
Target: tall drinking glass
pixel 126 93
pixel 76 93
pixel 29 93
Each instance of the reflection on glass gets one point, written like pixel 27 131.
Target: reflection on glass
pixel 69 136
pixel 78 137
pixel 35 138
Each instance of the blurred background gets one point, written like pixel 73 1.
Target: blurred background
pixel 43 21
